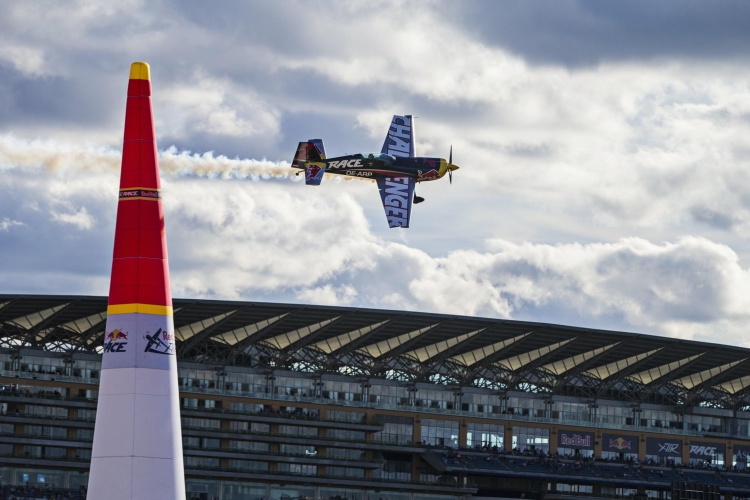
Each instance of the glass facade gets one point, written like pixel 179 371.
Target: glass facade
pixel 485 435
pixel 361 415
pixel 396 429
pixel 440 432
pixel 532 439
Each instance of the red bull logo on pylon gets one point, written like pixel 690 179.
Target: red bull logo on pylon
pixel 116 335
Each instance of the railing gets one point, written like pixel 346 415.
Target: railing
pixel 287 416
pixel 508 417
pixel 323 476
pixel 252 453
pixel 44 437
pixel 46 417
pixel 300 436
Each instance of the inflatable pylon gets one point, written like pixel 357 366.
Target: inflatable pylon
pixel 137 450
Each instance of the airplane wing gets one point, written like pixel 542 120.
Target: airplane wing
pixel 397 194
pixel 400 138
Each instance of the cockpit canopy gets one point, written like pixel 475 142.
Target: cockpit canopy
pixel 378 156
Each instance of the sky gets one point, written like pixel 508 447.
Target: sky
pixel 604 151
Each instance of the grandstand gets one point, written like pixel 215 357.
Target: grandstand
pixel 290 401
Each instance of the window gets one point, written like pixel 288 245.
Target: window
pixel 440 432
pixel 395 429
pixel 297 449
pixel 189 422
pixel 195 442
pixel 531 439
pixel 248 464
pixel 345 472
pixel 347 416
pixel 250 427
pixel 87 415
pixel 484 435
pixel 307 470
pixel 298 430
pixel 246 407
pixel 85 434
pixel 201 462
pixel 50 411
pixel 344 453
pixel 346 434
pixel 248 446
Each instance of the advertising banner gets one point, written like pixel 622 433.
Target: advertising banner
pixel 663 447
pixel 742 452
pixel 620 443
pixel 575 439
pixel 705 450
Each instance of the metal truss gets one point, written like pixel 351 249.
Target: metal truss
pixel 411 347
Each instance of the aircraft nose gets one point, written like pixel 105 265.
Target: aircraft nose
pixel 451 166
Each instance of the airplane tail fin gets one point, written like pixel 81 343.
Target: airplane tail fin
pixel 312 150
pixel 310 156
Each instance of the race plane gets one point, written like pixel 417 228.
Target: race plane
pixel 396 169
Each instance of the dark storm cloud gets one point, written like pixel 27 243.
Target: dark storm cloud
pixel 54 100
pixel 585 32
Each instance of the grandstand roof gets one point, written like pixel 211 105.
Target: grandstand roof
pixel 413 347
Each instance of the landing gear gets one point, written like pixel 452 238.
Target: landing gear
pixel 417 199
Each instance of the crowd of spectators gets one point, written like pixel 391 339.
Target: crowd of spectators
pixel 26 492
pixel 16 391
pixel 531 460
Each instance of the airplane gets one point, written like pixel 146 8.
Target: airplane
pixel 396 169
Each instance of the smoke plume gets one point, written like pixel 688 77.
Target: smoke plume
pixel 60 157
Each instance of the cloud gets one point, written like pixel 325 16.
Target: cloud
pixel 6 224
pixel 603 182
pixel 205 105
pixel 587 32
pixel 79 218
pixel 27 60
pixel 276 240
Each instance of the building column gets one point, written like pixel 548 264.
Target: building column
pixel 414 468
pixel 462 431
pixel 553 440
pixel 686 451
pixel 508 441
pixel 18 431
pixel 416 435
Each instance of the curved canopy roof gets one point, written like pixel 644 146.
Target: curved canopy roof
pixel 410 346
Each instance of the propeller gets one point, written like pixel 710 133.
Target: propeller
pixel 451 166
pixel 450 162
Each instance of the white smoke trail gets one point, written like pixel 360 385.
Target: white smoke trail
pixel 56 156
pixel 60 157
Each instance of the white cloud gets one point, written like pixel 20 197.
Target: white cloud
pixel 6 224
pixel 573 176
pixel 28 60
pixel 79 218
pixel 213 106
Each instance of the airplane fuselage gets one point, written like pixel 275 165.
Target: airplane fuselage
pixel 372 165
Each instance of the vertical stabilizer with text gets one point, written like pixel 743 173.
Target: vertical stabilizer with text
pixel 137 451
